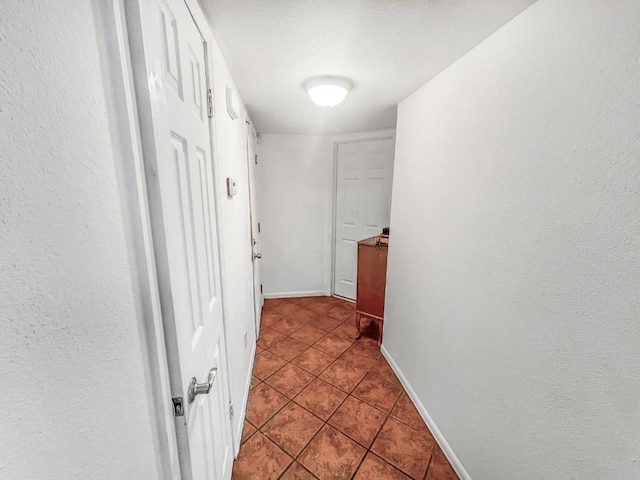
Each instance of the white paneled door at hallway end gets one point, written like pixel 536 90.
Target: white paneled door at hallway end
pixel 364 173
pixel 171 86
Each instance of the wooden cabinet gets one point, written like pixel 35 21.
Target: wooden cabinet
pixel 372 276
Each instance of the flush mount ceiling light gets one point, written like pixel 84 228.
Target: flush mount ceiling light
pixel 328 91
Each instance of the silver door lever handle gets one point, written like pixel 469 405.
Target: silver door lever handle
pixel 196 388
pixel 257 255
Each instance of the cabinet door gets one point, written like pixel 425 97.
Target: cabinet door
pixel 372 273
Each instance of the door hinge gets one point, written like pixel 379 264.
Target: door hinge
pixel 178 407
pixel 256 158
pixel 260 288
pixel 231 409
pixel 258 227
pixel 210 102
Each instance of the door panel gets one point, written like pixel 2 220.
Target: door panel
pixel 182 200
pixel 363 204
pixel 255 230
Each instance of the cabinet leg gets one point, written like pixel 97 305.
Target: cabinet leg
pixel 358 319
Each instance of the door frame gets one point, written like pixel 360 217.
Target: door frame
pixel 119 29
pixel 384 134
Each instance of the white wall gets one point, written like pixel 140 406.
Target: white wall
pixel 295 182
pixel 237 267
pixel 295 178
pixel 72 389
pixel 514 267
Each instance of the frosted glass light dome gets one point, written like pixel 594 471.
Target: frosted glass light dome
pixel 327 91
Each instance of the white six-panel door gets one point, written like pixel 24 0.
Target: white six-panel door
pixel 363 203
pixel 182 189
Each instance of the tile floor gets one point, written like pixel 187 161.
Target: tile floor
pixel 326 406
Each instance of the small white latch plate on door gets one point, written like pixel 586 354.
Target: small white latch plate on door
pixel 232 187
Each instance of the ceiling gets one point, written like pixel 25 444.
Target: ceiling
pixel 388 48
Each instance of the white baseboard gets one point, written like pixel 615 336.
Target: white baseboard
pixel 245 402
pixel 314 293
pixel 451 456
pixel 350 300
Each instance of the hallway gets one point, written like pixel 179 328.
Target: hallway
pixel 326 406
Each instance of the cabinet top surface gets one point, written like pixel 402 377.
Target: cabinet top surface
pixel 371 242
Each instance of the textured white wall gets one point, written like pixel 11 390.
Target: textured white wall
pixel 295 177
pixel 72 389
pixel 237 267
pixel 514 266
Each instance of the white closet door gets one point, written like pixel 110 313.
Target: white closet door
pixel 363 204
